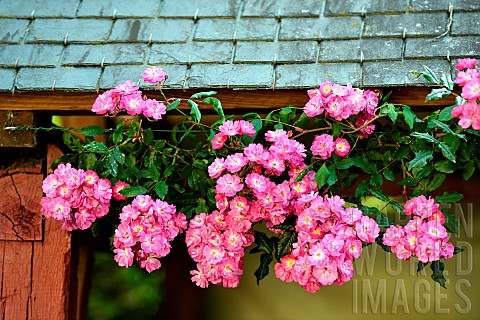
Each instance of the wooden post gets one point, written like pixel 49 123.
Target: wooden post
pixel 35 255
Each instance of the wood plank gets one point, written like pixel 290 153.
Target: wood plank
pixel 231 99
pixel 16 279
pixel 20 217
pixel 51 271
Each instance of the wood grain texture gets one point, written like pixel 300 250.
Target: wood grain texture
pixel 20 217
pixel 16 277
pixel 51 267
pixel 231 99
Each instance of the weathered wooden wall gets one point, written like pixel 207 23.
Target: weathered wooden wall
pixel 35 254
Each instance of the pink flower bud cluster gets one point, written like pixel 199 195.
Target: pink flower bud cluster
pixel 217 243
pixel 232 128
pixel 341 102
pixel 145 231
pixel 75 197
pixel 469 79
pixel 330 236
pixel 127 97
pixel 324 145
pixel 424 236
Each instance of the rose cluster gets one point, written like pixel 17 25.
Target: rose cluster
pixel 145 231
pixel 229 129
pixel 248 190
pixel 217 242
pixel 75 197
pixel 127 97
pixel 330 236
pixel 324 145
pixel 341 102
pixel 424 236
pixel 469 79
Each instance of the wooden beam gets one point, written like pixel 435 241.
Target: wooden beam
pixel 76 102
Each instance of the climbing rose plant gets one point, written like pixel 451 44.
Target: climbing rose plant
pixel 290 184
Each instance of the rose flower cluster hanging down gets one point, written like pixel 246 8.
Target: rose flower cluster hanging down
pixel 249 181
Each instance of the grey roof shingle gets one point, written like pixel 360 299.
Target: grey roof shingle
pixel 243 44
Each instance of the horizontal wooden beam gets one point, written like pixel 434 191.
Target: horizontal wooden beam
pixel 80 102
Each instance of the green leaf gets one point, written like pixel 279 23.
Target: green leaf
pixel 168 171
pixel 449 197
pixel 284 244
pixel 447 129
pixel 377 193
pixel 362 189
pixel 194 180
pixel 376 180
pixel 148 136
pixel 161 188
pixel 364 164
pixel 401 153
pixel 90 161
pixel 322 175
pixel 446 80
pixel 446 114
pixel 392 113
pixel 437 272
pixel 173 105
pixel 92 131
pixel 194 112
pixel 336 129
pixel 72 142
pixel 201 206
pixel 97 147
pixel 468 170
pixel 421 159
pixel 153 171
pixel 132 191
pixel 430 76
pixel 217 106
pixel 408 181
pixel 302 121
pixel 263 270
pixel 111 164
pixel 345 163
pixel 451 222
pixel 251 115
pixel 436 94
pixel 425 136
pixel 420 266
pixel 118 133
pixel 285 114
pixel 436 182
pixel 186 133
pixel 445 166
pixel 388 174
pixel 263 242
pixel 447 152
pixel 332 177
pixel 205 94
pixel 410 117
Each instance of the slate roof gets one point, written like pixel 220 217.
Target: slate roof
pixel 86 45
